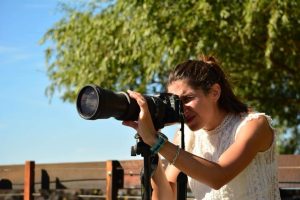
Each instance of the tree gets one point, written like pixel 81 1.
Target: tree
pixel 133 44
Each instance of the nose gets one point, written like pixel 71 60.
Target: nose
pixel 185 110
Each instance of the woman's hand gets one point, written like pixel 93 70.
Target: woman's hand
pixel 144 126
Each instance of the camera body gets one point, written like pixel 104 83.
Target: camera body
pixel 94 102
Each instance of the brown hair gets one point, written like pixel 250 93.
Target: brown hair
pixel 203 74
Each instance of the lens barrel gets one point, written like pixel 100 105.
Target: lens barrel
pixel 94 102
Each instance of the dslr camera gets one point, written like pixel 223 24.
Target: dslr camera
pixel 94 102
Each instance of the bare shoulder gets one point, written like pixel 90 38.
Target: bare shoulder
pixel 257 132
pixel 254 135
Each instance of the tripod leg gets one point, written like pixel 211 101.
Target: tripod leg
pixel 181 186
pixel 150 165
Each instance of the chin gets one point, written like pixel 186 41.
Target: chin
pixel 194 127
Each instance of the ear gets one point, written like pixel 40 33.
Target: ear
pixel 215 92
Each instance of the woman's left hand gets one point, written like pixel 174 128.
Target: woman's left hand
pixel 144 126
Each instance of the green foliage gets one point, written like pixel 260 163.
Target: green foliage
pixel 133 44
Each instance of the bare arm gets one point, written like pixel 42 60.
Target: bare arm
pixel 255 136
pixel 164 180
pixel 164 183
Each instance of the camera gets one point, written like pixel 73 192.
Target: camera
pixel 94 102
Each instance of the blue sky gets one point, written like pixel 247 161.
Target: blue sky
pixel 32 127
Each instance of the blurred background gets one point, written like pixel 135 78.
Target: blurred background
pixel 50 49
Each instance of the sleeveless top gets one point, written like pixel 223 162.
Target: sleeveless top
pixel 258 181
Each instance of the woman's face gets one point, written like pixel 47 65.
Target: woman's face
pixel 198 107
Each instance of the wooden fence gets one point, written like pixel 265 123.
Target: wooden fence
pixel 108 180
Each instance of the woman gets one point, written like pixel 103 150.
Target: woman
pixel 230 150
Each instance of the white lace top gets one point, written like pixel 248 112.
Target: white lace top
pixel 258 181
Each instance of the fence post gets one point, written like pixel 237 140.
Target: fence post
pixel 114 179
pixel 29 180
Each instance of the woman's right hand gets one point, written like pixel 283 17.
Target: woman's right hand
pixel 144 125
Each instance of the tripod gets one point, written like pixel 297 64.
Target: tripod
pixel 150 165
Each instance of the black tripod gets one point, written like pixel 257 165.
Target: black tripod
pixel 150 164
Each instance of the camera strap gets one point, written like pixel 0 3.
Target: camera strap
pixel 182 177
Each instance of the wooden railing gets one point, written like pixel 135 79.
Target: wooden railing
pixel 108 180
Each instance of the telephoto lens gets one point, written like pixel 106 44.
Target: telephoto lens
pixel 94 102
